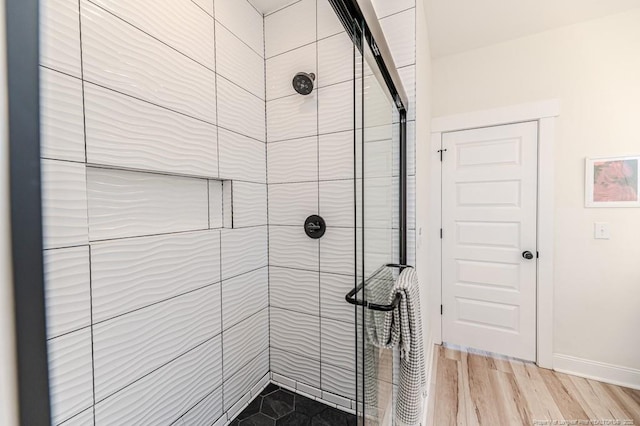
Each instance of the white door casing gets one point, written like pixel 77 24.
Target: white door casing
pixel 489 196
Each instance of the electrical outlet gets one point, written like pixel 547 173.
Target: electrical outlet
pixel 601 231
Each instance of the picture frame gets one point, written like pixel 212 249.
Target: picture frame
pixel 612 181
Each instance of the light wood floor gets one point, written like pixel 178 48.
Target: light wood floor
pixel 473 389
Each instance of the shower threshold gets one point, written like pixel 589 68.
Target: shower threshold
pixel 276 406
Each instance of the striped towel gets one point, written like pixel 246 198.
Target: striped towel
pixel 402 328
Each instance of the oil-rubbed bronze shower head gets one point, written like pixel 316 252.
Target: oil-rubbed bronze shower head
pixel 303 82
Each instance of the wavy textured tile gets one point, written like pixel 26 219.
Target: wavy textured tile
pixel 67 283
pixel 166 20
pixel 290 247
pixel 125 132
pixel 132 345
pixel 335 60
pixel 411 149
pixel 328 22
pixel 291 27
pixel 400 33
pixel 83 419
pixel 60 35
pixel 292 117
pixel 333 289
pixel 244 341
pixel 296 367
pixel 249 204
pixel 205 5
pixel 61 116
pixel 384 8
pixel 293 161
pixel 162 396
pixel 337 206
pixel 241 157
pixel 337 252
pixel 295 332
pixel 132 273
pixel 335 108
pixel 244 295
pixel 292 203
pixel 126 204
pixel 408 78
pixel 70 374
pixel 203 413
pixel 243 20
pixel 242 382
pixel 216 204
pixel 139 65
pixel 243 250
pixel 339 381
pixel 281 69
pixel 294 289
pixel 336 156
pixel 64 204
pixel 380 201
pixel 238 62
pixel 338 343
pixel 240 111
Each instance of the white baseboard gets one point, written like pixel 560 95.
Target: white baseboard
pixel 608 373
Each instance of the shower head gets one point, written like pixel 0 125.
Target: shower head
pixel 303 82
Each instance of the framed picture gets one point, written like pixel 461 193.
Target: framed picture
pixel 612 182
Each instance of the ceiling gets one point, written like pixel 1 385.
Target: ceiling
pixel 267 6
pixel 459 25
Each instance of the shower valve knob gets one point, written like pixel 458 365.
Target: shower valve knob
pixel 314 226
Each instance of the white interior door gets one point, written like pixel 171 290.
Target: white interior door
pixel 489 191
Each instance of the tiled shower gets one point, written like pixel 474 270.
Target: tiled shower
pixel 178 168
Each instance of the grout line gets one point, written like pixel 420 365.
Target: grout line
pixel 317 66
pixel 282 8
pixel 201 8
pixel 266 171
pixel 380 18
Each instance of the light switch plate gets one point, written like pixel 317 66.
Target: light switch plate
pixel 601 231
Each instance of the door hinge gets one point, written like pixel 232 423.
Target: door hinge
pixel 441 233
pixel 537 255
pixel 441 309
pixel 441 151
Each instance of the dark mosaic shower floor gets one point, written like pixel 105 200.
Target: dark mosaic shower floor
pixel 279 407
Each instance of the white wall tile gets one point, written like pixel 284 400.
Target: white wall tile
pixel 411 149
pixel 244 341
pixel 60 35
pixel 227 200
pixel 135 272
pixel 282 68
pixel 339 381
pixel 162 396
pixel 336 155
pixel 328 22
pixel 295 332
pixel 125 204
pixel 70 380
pixel 241 157
pixel 294 289
pixel 205 5
pixel 239 63
pixel 400 33
pixel 243 250
pixel 83 419
pixel 333 289
pixel 249 204
pixel 139 65
pixel 385 7
pixel 167 20
pixel 290 247
pixel 64 204
pixel 294 160
pixel 216 204
pixel 125 132
pixel 61 116
pixel 205 411
pixel 337 205
pixel 242 20
pixel 337 253
pixel 244 295
pixel 290 27
pixel 240 111
pixel 335 60
pixel 292 203
pixel 132 345
pixel 68 289
pixel 296 367
pixel 408 77
pixel 291 117
pixel 379 202
pixel 335 108
pixel 242 382
pixel 338 343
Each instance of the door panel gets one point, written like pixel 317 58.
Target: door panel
pixel 489 190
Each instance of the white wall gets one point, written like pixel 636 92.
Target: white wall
pixel 8 388
pixel 594 69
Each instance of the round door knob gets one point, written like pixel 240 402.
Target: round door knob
pixel 527 255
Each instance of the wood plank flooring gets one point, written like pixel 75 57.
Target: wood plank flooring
pixel 478 390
